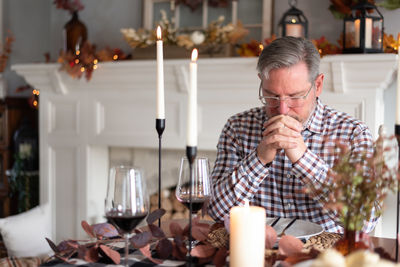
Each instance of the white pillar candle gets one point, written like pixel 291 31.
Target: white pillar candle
pixel 160 110
pixel 357 33
pixel 191 132
pixel 398 82
pixel 295 30
pixel 247 236
pixel 368 33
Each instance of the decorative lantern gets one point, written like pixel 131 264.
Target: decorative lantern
pixel 293 22
pixel 363 29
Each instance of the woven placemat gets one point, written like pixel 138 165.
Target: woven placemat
pixel 322 241
pixel 219 237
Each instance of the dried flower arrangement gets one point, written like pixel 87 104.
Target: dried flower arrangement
pixel 358 185
pixel 390 45
pixel 215 34
pixel 342 8
pixel 5 52
pixel 325 47
pixel 85 61
pixel 250 49
pixel 70 5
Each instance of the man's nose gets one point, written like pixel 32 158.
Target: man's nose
pixel 283 107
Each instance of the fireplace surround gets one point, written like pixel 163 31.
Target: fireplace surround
pixel 81 121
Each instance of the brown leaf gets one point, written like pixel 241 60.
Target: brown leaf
pixel 155 215
pixel 180 244
pixel 52 245
pixel 91 255
pixel 203 251
pixel 290 245
pixel 147 253
pixel 175 229
pixel 156 231
pixel 112 254
pixel 200 231
pixel 220 257
pixel 104 230
pixel 178 253
pixel 195 220
pixel 140 240
pixel 82 252
pixel 164 248
pixel 88 229
pixel 270 237
pixel 71 244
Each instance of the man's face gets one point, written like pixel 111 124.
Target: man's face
pixel 291 82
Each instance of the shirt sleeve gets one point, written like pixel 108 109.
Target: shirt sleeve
pixel 235 178
pixel 313 171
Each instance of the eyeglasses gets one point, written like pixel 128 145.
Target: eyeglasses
pixel 291 101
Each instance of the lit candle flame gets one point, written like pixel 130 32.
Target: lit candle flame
pixel 158 33
pixel 293 20
pixel 195 54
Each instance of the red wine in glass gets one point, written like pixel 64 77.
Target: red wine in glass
pixel 125 222
pixel 196 182
pixel 197 202
pixel 127 202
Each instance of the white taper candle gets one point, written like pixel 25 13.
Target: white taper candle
pixel 191 132
pixel 160 111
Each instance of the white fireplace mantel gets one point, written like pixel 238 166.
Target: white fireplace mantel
pixel 80 119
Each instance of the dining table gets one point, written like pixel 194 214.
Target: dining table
pixel 136 259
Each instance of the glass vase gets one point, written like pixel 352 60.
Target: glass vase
pixel 75 34
pixel 351 241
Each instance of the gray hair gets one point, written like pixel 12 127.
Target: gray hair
pixel 287 51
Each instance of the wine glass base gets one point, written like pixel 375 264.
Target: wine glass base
pixel 193 244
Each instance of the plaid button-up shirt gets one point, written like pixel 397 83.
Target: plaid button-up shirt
pixel 279 186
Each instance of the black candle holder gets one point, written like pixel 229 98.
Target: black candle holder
pixel 397 134
pixel 160 126
pixel 191 152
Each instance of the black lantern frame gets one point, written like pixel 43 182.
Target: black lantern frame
pixel 293 22
pixel 363 30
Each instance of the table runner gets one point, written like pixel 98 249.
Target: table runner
pixel 136 259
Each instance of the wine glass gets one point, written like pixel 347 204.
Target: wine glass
pixel 127 202
pixel 201 185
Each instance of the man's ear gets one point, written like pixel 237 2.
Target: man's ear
pixel 319 82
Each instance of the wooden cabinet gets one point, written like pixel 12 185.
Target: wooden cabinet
pixel 12 112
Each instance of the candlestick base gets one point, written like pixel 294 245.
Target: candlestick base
pixel 160 126
pixel 191 152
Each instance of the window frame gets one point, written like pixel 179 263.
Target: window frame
pixel 265 24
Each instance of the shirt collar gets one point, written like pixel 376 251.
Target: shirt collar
pixel 315 122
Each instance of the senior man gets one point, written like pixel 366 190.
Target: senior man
pixel 270 154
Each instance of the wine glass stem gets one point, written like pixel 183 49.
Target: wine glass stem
pixel 126 249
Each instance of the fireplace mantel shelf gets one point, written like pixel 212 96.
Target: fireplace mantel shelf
pixel 343 72
pixel 80 119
